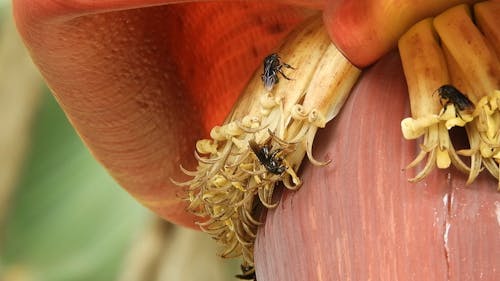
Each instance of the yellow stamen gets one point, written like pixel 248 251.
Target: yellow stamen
pixel 425 69
pixel 471 65
pixel 230 179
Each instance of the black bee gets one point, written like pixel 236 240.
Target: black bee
pixel 268 158
pixel 272 66
pixel 453 96
pixel 248 273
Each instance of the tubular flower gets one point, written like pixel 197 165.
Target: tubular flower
pixel 154 96
pixel 453 75
pixel 235 174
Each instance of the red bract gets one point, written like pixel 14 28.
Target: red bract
pixel 142 84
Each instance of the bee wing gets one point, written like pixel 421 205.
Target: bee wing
pixel 464 102
pixel 269 81
pixel 257 150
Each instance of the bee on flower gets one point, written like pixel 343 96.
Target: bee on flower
pixel 272 66
pixel 450 55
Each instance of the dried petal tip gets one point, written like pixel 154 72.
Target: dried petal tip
pixel 266 137
pixel 453 75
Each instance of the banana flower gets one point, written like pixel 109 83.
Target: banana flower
pixel 143 80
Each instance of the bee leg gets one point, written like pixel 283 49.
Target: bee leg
pixel 281 72
pixel 273 154
pixel 445 106
pixel 441 102
pixel 457 112
pixel 288 66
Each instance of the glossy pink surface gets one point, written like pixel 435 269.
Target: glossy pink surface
pixel 360 219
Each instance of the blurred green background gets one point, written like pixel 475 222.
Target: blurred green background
pixel 68 219
pixel 62 217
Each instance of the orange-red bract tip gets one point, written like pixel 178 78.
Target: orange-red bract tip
pixel 365 30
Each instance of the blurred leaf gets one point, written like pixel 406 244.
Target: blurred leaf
pixel 69 219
